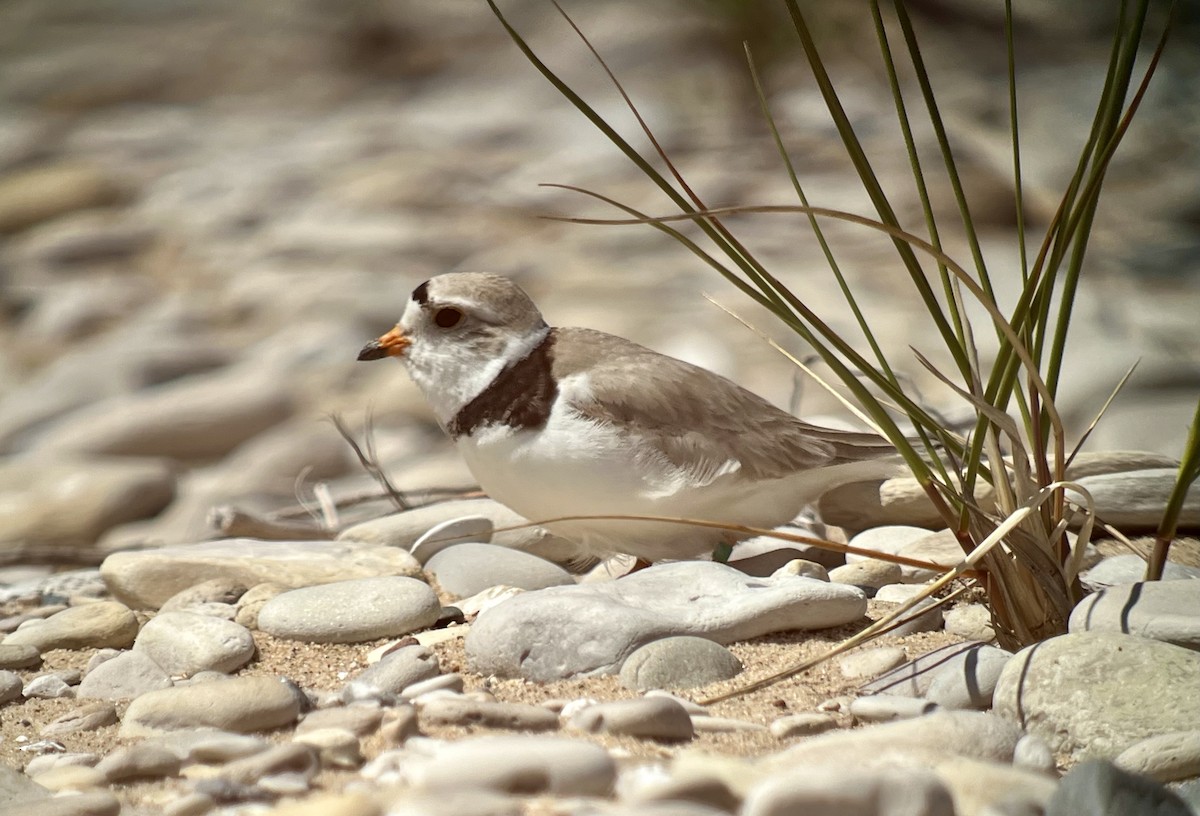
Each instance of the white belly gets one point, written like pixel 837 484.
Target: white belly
pixel 571 468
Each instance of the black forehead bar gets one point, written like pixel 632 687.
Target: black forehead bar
pixel 421 293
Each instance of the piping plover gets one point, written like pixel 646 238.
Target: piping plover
pixel 564 422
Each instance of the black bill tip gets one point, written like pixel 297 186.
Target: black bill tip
pixel 372 351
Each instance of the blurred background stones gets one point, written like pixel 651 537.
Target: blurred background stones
pixel 206 208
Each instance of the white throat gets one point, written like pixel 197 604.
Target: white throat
pixel 451 375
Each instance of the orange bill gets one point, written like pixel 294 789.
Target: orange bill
pixel 391 344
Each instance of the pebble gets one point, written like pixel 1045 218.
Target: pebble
pixel 19 656
pixel 463 711
pixel 850 792
pixel 460 530
pixel 85 718
pixel 885 708
pixel 804 724
pixel 336 747
pixel 1162 610
pixel 1086 694
pixel 241 704
pixel 657 718
pixel 217 590
pixel 725 725
pixel 123 677
pixel 1165 757
pixel 968 679
pixel 929 620
pixel 525 765
pixel 70 778
pixel 204 416
pixel 924 740
pixel 871 662
pixel 138 761
pixel 392 675
pixel 452 682
pixel 93 625
pixel 184 643
pixel 294 759
pixel 1099 787
pixel 147 579
pixel 404 529
pixel 1118 570
pixel 871 573
pixel 803 568
pixel 914 677
pixel 466 569
pixel 711 794
pixel 1136 499
pixel 11 685
pixel 592 628
pixel 399 724
pixel 47 687
pixel 899 593
pixel 977 785
pixel 351 611
pixel 1033 753
pixel 205 745
pixel 678 663
pixel 765 556
pixel 970 621
pixel 359 720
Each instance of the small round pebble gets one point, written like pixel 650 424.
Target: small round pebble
pixel 526 765
pixel 885 707
pixel 47 687
pixel 18 656
pixel 678 663
pixel 466 569
pixel 351 611
pixel 139 761
pixel 803 724
pixel 657 718
pixel 93 625
pixel 391 676
pixel 240 704
pixel 464 711
pixel 85 718
pixel 871 662
pixel 184 643
pixel 871 573
pixel 10 686
pixel 124 677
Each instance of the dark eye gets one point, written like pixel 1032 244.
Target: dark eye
pixel 447 318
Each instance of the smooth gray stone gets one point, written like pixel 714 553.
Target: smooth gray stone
pixel 1164 758
pixel 869 663
pixel 1136 499
pixel 1162 610
pixel 184 643
pixel 1094 694
pixel 466 569
pixel 128 675
pixel 658 718
pixel 452 682
pixel 850 792
pixel 146 579
pixel 93 625
pixel 1116 570
pixel 143 760
pixel 923 741
pixel 204 745
pixel 466 711
pixel 869 572
pixel 359 720
pixel 389 677
pixel 241 704
pixel 1098 788
pixel 18 656
pixel 10 686
pixel 404 529
pixel 47 687
pixel 762 556
pixel 17 787
pixel 87 717
pixel 968 680
pixel 914 677
pixel 351 611
pixel 928 621
pixel 888 707
pixel 528 765
pixel 679 663
pixel 592 628
pixel 292 758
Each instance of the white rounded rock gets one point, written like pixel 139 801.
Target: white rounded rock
pixel 351 611
pixel 184 643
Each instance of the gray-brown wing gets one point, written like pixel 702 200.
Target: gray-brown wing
pixel 698 420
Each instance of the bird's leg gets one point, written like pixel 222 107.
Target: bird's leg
pixel 724 548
